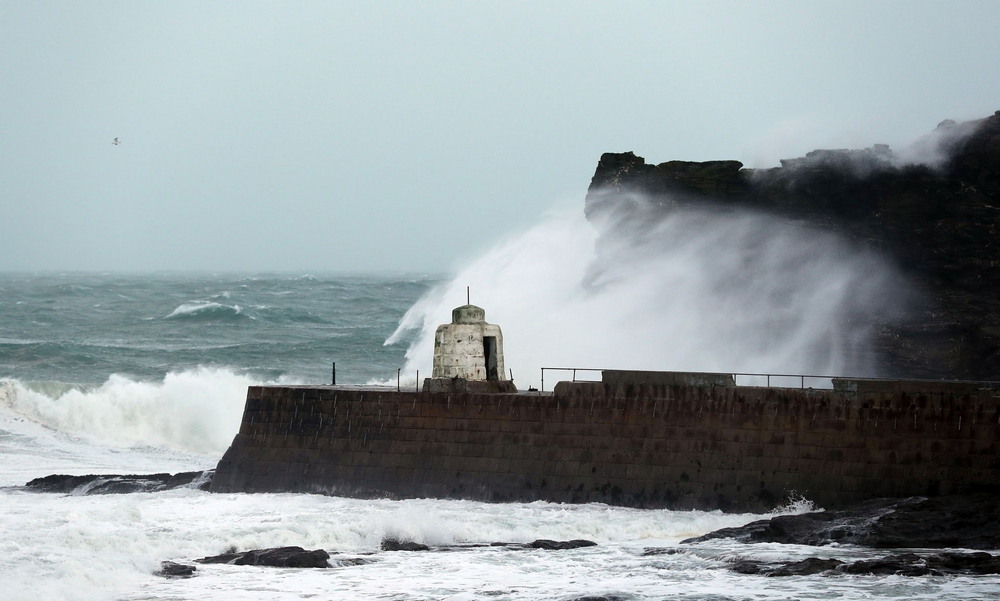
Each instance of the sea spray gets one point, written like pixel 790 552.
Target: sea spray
pixel 195 410
pixel 690 290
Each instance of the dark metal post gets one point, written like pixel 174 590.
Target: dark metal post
pixel 333 376
pixel 416 387
pixel 398 370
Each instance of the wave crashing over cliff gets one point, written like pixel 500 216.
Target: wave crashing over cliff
pixel 689 290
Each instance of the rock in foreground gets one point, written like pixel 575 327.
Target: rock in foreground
pixel 903 564
pixel 170 569
pixel 395 544
pixel 960 521
pixel 277 557
pixel 560 545
pixel 105 484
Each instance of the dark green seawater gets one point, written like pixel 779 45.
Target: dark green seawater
pixel 81 328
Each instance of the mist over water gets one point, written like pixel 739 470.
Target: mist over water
pixel 691 290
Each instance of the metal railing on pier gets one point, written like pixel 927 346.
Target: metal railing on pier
pixel 742 379
pixel 574 370
pixel 801 381
pixel 784 380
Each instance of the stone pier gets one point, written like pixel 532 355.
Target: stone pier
pixel 642 439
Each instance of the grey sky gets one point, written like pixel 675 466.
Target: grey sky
pixel 311 136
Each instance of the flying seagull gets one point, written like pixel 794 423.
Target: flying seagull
pixel 116 142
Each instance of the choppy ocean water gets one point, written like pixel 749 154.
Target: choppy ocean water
pixel 79 328
pixel 148 373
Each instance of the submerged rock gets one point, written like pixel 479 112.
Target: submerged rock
pixel 349 562
pixel 170 569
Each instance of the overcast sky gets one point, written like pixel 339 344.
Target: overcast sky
pixel 405 136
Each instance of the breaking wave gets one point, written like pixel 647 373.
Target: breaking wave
pixel 197 411
pixel 207 310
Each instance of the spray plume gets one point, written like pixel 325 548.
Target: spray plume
pixel 689 290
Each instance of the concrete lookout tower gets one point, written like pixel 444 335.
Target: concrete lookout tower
pixel 468 355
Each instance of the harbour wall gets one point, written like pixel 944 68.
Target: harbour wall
pixel 643 439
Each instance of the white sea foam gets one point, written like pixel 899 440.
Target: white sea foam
pixel 107 547
pixel 694 290
pixel 195 309
pixel 195 411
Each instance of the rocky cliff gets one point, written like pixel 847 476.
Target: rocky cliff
pixel 936 218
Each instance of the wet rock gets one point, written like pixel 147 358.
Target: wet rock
pixel 901 564
pixel 559 545
pixel 228 557
pixel 806 567
pixel 744 566
pixel 106 484
pixel 348 562
pixel 941 564
pixel 907 564
pixel 965 563
pixel 962 521
pixel 278 557
pixel 815 528
pixel 394 544
pixel 648 551
pixel 170 569
pixel 966 521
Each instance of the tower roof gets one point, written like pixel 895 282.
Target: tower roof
pixel 468 314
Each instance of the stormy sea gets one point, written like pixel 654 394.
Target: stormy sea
pixel 147 373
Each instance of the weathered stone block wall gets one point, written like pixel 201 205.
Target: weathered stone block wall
pixel 680 441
